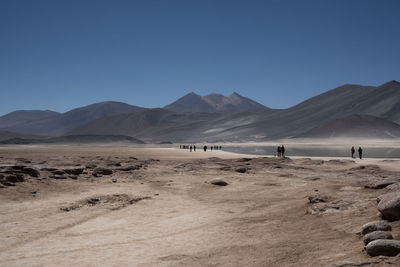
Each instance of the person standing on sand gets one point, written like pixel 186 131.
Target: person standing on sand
pixel 205 148
pixel 352 152
pixel 278 151
pixel 190 148
pixel 283 151
pixel 194 148
pixel 360 152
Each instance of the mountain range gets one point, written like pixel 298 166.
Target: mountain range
pixel 222 118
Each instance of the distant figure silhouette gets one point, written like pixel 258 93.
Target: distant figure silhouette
pixel 360 152
pixel 211 148
pixel 220 147
pixel 278 151
pixel 352 152
pixel 190 148
pixel 205 148
pixel 283 151
pixel 194 148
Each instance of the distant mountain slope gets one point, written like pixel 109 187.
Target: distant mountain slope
pixel 382 101
pixel 59 124
pixel 19 117
pixel 156 125
pixel 221 118
pixel 355 126
pixel 75 139
pixel 213 102
pixel 5 135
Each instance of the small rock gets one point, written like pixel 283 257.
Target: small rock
pixel 7 183
pixel 101 171
pixel 56 176
pixel 131 168
pixel 380 185
pixel 317 198
pixel 58 172
pixel 375 226
pixel 74 171
pixel 18 167
pixel 241 170
pixel 12 179
pixel 48 169
pixel 389 206
pixel 376 235
pixel 31 171
pixel 383 247
pixel 218 182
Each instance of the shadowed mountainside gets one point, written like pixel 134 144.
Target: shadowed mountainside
pixel 5 135
pixel 75 139
pixel 52 124
pixel 355 126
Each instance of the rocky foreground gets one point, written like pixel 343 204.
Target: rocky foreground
pixel 149 207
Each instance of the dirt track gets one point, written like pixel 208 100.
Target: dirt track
pixel 167 213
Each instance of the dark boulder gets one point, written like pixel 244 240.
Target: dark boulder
pixel 375 226
pixel 389 206
pixel 31 171
pixel 241 170
pixel 101 171
pixel 383 247
pixel 74 171
pixel 218 182
pixel 376 235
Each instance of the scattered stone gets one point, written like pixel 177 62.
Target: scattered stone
pixel 74 171
pixel 91 166
pixel 56 176
pixel 383 247
pixel 12 179
pixel 380 185
pixel 114 180
pixel 375 226
pixel 101 171
pixel 112 202
pixel 48 169
pixel 7 183
pixel 31 171
pixel 241 170
pixel 376 235
pixel 218 182
pixel 58 172
pixel 131 167
pixel 243 159
pixel 18 167
pixel 317 198
pixel 394 186
pixel 389 206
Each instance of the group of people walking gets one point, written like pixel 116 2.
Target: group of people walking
pixel 193 147
pixel 360 151
pixel 280 151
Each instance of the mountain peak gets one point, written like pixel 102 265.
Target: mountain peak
pixel 213 102
pixel 391 83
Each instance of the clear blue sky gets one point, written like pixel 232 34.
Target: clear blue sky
pixel 60 55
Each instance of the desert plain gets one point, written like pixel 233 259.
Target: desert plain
pixel 120 206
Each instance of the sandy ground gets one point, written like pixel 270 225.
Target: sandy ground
pixel 158 208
